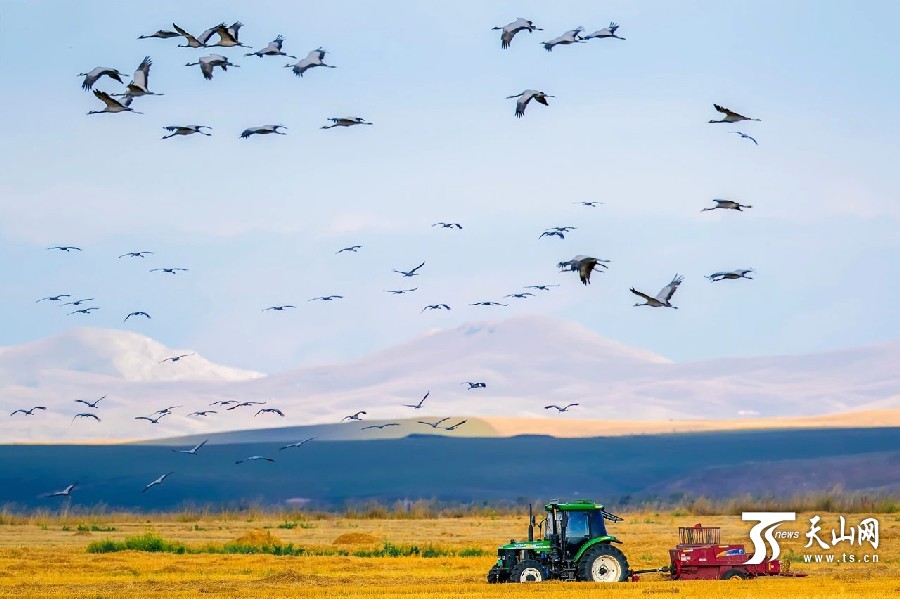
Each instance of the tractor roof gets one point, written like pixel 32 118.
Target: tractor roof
pixel 578 504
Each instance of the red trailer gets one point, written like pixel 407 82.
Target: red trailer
pixel 700 555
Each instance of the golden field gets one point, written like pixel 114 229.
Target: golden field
pixel 47 557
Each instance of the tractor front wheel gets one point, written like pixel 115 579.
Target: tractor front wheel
pixel 495 575
pixel 603 563
pixel 527 571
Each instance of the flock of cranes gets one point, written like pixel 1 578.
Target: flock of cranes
pixel 224 36
pixel 227 36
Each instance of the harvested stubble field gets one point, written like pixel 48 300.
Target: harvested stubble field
pixel 49 558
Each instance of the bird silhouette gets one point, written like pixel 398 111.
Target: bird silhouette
pixel 727 205
pixel 263 130
pixel 254 458
pixel 53 298
pixel 434 425
pixel 297 444
pixel 161 34
pixel 137 87
pixel 312 60
pixel 606 32
pixel 730 116
pixel 67 492
pixel 541 287
pixel 400 291
pixel 91 77
pixel 269 411
pixel 572 36
pixel 475 385
pixel 192 42
pixel 171 271
pixel 410 273
pixel 28 412
pixel 436 307
pixel 745 136
pixel 662 298
pixel 209 63
pixel 78 302
pixel 174 359
pixel 158 481
pixel 279 308
pixel 527 96
pixel 273 48
pixel 186 130
pixel 90 404
pixel 345 121
pixel 560 409
pixel 139 313
pixel 380 426
pixel 508 31
pixel 740 273
pixel 113 106
pixel 353 416
pixel 246 404
pixel 64 248
pixel 86 415
pixel 352 248
pixel 193 450
pixel 152 420
pixel 418 405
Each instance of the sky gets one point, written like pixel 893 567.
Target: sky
pixel 258 221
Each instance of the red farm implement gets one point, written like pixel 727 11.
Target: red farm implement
pixel 700 555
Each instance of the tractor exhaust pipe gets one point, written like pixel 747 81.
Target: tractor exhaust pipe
pixel 530 524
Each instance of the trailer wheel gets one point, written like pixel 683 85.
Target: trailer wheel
pixel 734 574
pixel 603 563
pixel 527 571
pixel 495 575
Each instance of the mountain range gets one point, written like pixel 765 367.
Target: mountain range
pixel 525 362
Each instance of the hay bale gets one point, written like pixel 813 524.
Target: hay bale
pixel 355 538
pixel 257 538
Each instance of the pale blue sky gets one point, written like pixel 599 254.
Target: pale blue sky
pixel 257 221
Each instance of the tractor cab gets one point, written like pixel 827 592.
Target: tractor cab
pixel 571 525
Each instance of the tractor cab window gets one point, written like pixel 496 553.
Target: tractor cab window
pixel 578 528
pixel 598 526
pixel 582 525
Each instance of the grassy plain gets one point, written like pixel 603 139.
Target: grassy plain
pixel 47 557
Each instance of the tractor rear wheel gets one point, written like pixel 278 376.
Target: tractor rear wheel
pixel 527 571
pixel 603 563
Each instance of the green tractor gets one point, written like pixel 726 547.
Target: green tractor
pixel 574 546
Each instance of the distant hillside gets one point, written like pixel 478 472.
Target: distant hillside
pixel 78 355
pixel 526 362
pixel 329 473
